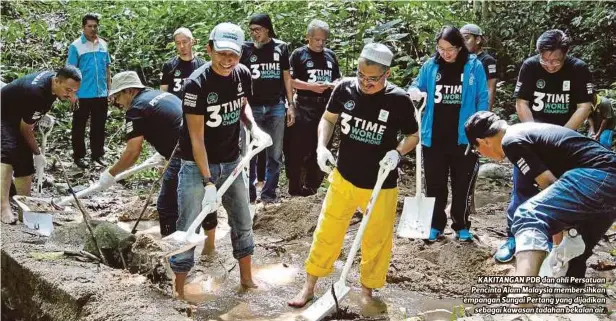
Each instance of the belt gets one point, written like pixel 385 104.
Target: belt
pixel 308 99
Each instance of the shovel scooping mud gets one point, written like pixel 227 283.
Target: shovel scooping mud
pixel 416 219
pixel 153 161
pixel 181 241
pixel 330 301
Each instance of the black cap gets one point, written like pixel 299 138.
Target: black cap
pixel 263 20
pixel 481 124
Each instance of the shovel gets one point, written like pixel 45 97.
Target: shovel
pixel 181 241
pixel 153 161
pixel 328 302
pixel 45 125
pixel 416 219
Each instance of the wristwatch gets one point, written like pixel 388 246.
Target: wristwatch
pixel 208 180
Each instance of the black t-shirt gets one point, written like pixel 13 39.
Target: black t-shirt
pixel 535 147
pixel 554 97
pixel 489 64
pixel 157 116
pixel 369 125
pixel 447 104
pixel 266 65
pixel 176 70
pixel 310 66
pixel 27 98
pixel 220 100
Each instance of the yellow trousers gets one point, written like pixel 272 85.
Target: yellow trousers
pixel 341 202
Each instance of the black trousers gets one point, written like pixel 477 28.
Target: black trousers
pixel 261 161
pixel 440 165
pixel 96 108
pixel 303 171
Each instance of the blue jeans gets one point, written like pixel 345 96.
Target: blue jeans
pixel 271 119
pixel 167 203
pixel 582 198
pixel 605 138
pixel 235 202
pixel 523 189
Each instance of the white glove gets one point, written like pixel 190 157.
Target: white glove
pixel 39 163
pixel 415 93
pixel 390 161
pixel 323 156
pixel 209 198
pixel 261 137
pixel 106 180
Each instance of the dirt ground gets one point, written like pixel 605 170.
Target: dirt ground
pixel 421 276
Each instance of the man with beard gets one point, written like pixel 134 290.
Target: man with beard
pixel 268 60
pixel 24 102
pixel 315 70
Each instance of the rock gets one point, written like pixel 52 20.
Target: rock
pixel 496 171
pixel 115 243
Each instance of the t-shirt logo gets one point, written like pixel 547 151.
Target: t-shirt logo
pixel 190 100
pixel 329 64
pixel 128 127
pixel 309 64
pixel 492 69
pixel 349 105
pixel 36 115
pixel 566 85
pixel 589 88
pixel 471 80
pixel 540 83
pixel 212 98
pixel 438 76
pixel 253 58
pixel 177 73
pixel 276 57
pixel 239 88
pixel 383 115
pixel 523 166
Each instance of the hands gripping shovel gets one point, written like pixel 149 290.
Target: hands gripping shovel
pixel 181 241
pixel 416 219
pixel 327 303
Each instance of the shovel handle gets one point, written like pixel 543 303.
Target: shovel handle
pixel 153 161
pixel 418 159
pixel 383 172
pixel 253 150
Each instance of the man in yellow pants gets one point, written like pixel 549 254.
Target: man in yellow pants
pixel 372 112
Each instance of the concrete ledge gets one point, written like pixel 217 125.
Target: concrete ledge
pixel 65 289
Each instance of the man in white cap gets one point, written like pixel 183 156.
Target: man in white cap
pixel 214 103
pixel 372 112
pixel 181 66
pixel 156 117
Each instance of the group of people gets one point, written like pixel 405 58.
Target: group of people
pixel 202 112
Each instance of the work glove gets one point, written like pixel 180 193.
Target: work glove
pixel 415 93
pixel 261 137
pixel 390 161
pixel 323 156
pixel 106 180
pixel 209 197
pixel 39 163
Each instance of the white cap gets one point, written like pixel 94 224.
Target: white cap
pixel 183 31
pixel 378 53
pixel 123 80
pixel 228 36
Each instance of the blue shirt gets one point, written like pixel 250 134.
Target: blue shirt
pixel 92 59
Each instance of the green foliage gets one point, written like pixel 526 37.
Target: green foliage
pixel 36 35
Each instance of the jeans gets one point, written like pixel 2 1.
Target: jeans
pixel 235 202
pixel 523 189
pixel 271 119
pixel 167 203
pixel 442 164
pixel 582 198
pixel 605 138
pixel 97 108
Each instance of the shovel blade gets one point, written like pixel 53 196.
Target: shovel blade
pixel 42 223
pixel 416 219
pixel 180 241
pixel 326 304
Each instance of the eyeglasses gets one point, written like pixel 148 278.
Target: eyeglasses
pixel 256 29
pixel 372 79
pixel 449 50
pixel 553 62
